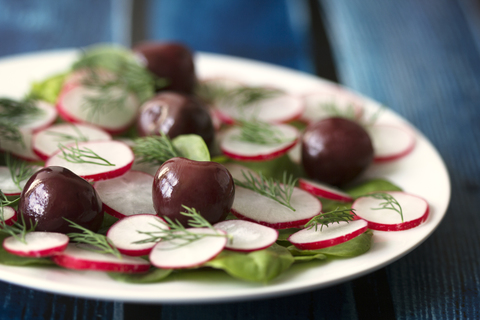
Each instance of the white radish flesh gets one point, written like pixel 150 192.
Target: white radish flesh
pixel 181 254
pixel 324 191
pixel 247 236
pixel 8 186
pixel 335 102
pixel 21 148
pixel 252 206
pixel 45 142
pixel 415 211
pixel 37 244
pixel 125 232
pixel 71 107
pixel 248 151
pixel 9 215
pixel 335 233
pixel 237 171
pixel 115 152
pixel 127 195
pixel 79 257
pixel 390 142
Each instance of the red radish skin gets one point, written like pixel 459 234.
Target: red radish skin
pixel 311 239
pixel 175 254
pixel 38 244
pixel 127 195
pixel 124 233
pixel 74 257
pixel 45 143
pixel 251 206
pixel 415 212
pixel 9 215
pixel 116 152
pixel 391 142
pixel 247 236
pixel 247 151
pixel 323 191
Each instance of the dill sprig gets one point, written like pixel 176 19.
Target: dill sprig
pixel 18 112
pixel 177 231
pixel 238 95
pixel 75 154
pixel 99 242
pixel 66 137
pixel 335 216
pixel 17 230
pixel 268 187
pixel 333 110
pixel 154 149
pixel 19 170
pixel 259 132
pixel 9 131
pixel 389 202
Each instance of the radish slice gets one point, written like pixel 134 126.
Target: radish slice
pixel 8 187
pixel 44 119
pixel 336 233
pixel 21 150
pixel 252 206
pixel 317 105
pixel 127 195
pixel 248 151
pixel 295 154
pixel 79 257
pixel 247 236
pixel 116 152
pixel 323 190
pixel 179 254
pixel 38 244
pixel 390 142
pixel 237 170
pixel 45 142
pixel 415 211
pixel 9 215
pixel 280 109
pixel 124 233
pixel 71 107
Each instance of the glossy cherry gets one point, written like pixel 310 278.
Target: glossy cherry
pixel 336 150
pixel 175 114
pixel 54 194
pixel 206 186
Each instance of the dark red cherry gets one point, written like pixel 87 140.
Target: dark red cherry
pixel 173 61
pixel 336 150
pixel 175 114
pixel 55 193
pixel 206 186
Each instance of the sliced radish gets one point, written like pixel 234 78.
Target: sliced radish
pixel 391 142
pixel 125 232
pixel 115 152
pixel 336 233
pixel 72 108
pixel 232 147
pixel 247 236
pixel 279 109
pixel 415 211
pixel 9 215
pixel 45 142
pixel 334 102
pixel 295 154
pixel 237 171
pixel 324 191
pixel 47 116
pixel 22 148
pixel 252 206
pixel 37 244
pixel 80 257
pixel 181 254
pixel 127 195
pixel 8 186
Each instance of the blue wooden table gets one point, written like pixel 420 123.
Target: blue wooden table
pixel 420 58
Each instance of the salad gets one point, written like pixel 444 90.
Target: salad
pixel 253 151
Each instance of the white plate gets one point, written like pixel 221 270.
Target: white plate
pixel 422 172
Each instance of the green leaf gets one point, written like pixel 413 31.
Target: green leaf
pixel 192 146
pixel 257 266
pixel 107 222
pixel 355 247
pixel 374 185
pixel 318 256
pixel 152 276
pixel 48 89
